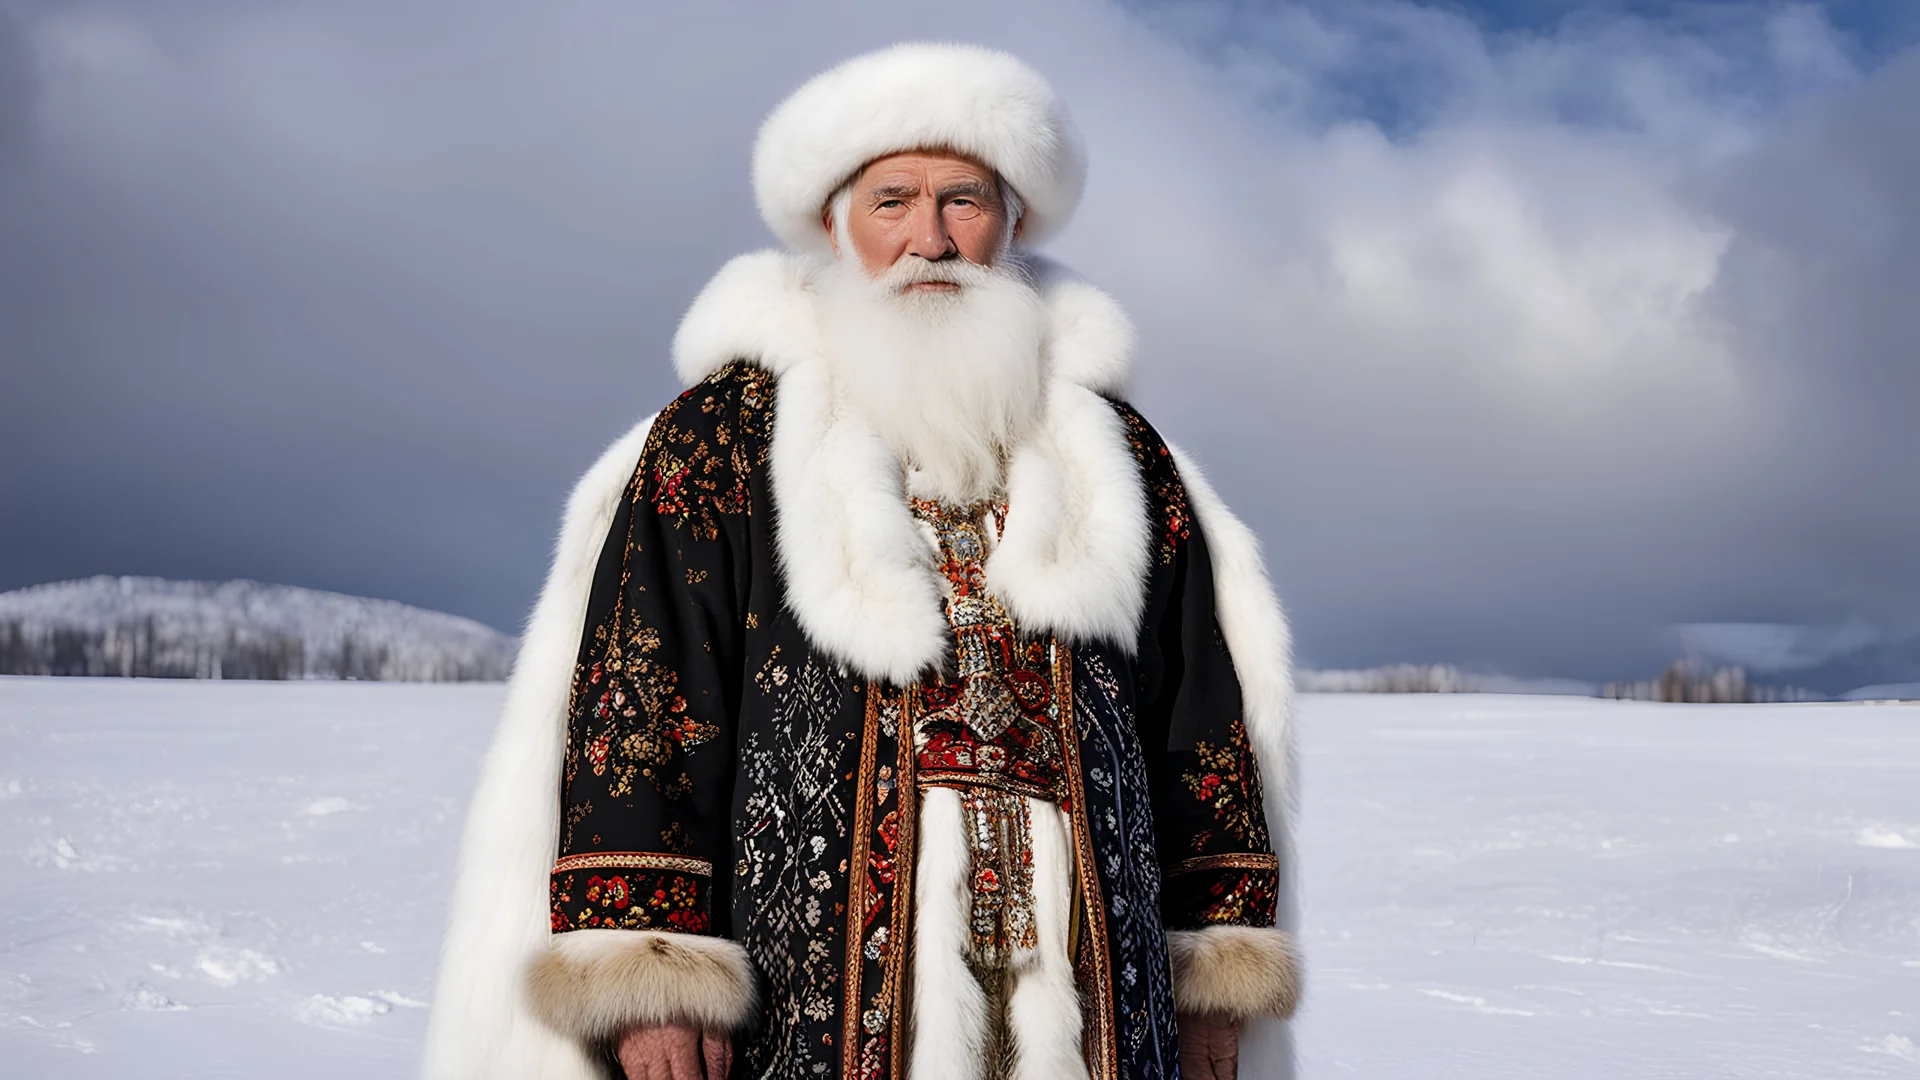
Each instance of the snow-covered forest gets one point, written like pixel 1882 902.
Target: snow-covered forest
pixel 1698 684
pixel 152 627
pixel 1688 681
pixel 1390 679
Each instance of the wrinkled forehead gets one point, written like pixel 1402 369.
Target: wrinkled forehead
pixel 909 171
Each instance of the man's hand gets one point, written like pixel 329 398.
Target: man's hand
pixel 675 1052
pixel 1209 1047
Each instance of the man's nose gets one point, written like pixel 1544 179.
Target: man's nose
pixel 930 239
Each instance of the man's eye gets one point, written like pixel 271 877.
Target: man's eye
pixel 891 203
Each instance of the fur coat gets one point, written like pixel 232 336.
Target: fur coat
pixel 698 806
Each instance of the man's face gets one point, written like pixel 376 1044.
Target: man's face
pixel 928 205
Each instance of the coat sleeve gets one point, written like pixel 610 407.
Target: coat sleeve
pixel 1219 860
pixel 638 911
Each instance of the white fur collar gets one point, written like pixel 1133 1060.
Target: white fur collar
pixel 860 576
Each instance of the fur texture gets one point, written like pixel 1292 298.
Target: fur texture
pixel 1074 557
pixel 954 1047
pixel 481 1025
pixel 979 102
pixel 1236 971
pixel 1044 1009
pixel 595 984
pixel 859 580
pixel 1045 1006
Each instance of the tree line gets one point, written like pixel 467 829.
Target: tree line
pixel 142 648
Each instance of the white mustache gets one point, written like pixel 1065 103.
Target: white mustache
pixel 913 270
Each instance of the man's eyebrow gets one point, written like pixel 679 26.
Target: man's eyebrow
pixel 979 189
pixel 894 189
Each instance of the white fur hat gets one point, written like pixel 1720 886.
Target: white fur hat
pixel 979 102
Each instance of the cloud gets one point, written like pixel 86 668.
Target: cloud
pixel 16 83
pixel 1518 346
pixel 1489 366
pixel 1773 647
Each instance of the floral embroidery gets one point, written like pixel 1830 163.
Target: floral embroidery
pixel 692 479
pixel 641 705
pixel 637 724
pixel 675 839
pixel 1166 494
pixel 1227 779
pixel 883 826
pixel 1235 897
pixel 772 674
pixel 630 897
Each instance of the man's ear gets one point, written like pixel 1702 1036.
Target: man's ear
pixel 826 222
pixel 1019 226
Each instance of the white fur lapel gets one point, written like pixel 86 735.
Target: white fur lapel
pixel 861 580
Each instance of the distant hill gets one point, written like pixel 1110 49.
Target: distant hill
pixel 138 626
pixel 1880 669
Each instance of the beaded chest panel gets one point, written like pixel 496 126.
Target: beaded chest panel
pixel 990 724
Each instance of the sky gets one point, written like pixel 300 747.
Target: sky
pixel 1541 337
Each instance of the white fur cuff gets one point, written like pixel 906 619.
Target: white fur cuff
pixel 1234 971
pixel 596 984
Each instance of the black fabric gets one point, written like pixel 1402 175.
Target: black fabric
pixel 1207 795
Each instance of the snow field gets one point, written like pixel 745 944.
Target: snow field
pixel 215 879
pixel 228 879
pixel 1563 887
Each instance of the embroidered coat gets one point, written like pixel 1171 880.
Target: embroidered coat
pixel 710 727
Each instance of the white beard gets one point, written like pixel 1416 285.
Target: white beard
pixel 951 380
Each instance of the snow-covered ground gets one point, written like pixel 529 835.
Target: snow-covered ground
pixel 1564 887
pixel 246 880
pixel 225 879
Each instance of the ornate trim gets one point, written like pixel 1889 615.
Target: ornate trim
pixel 1093 963
pixel 627 898
pixel 633 860
pixel 1247 860
pixel 858 876
pixel 961 781
pixel 874 998
pixel 907 804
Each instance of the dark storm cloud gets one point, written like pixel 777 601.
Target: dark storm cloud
pixel 1818 286
pixel 16 83
pixel 346 295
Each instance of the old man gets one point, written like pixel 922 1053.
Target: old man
pixel 899 702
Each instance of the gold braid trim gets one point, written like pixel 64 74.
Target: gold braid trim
pixel 633 860
pixel 1237 861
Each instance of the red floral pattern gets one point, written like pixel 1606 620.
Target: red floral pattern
pixel 1226 778
pixel 1226 897
pixel 1166 494
pixel 636 898
pixel 696 476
